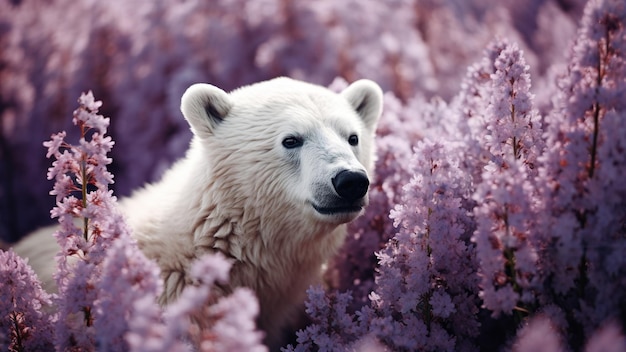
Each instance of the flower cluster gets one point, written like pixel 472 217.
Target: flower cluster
pixel 505 192
pixel 25 324
pixel 583 194
pixel 426 272
pixel 86 212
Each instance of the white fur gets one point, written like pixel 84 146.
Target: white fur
pixel 239 191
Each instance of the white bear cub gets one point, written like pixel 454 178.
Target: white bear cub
pixel 274 172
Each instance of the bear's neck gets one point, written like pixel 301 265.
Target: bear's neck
pixel 264 237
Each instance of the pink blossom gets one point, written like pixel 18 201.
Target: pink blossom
pixel 608 338
pixel 64 164
pixel 584 203
pixel 226 325
pixel 234 329
pixel 505 191
pixel 108 291
pixel 54 144
pixel 539 335
pixel 24 307
pixel 147 332
pixel 211 269
pixel 441 303
pixel 87 114
pixel 74 170
pixel 129 281
pixel 333 326
pixel 513 123
pixel 428 262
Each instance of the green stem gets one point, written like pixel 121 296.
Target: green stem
pixel 509 255
pixel 18 334
pixel 516 150
pixel 83 175
pixel 88 318
pixel 427 309
pixel 602 55
pixel 594 143
pixel 521 310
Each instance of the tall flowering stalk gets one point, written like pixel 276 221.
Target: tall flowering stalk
pixel 425 277
pixel 582 177
pixel 586 126
pixel 505 195
pixel 471 107
pixel 84 205
pixel 333 325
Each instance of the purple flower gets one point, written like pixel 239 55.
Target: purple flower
pixel 609 338
pixel 429 262
pixel 225 324
pixel 75 170
pixel 129 283
pixel 539 335
pixel 333 327
pixel 53 145
pixel 505 193
pixel 147 331
pixel 513 125
pixel 24 305
pixel 441 304
pixel 86 116
pixel 584 202
pixel 234 328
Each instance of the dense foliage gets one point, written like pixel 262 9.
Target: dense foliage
pixel 498 214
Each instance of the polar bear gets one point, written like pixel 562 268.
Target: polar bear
pixel 274 172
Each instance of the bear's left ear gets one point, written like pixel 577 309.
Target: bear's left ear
pixel 366 98
pixel 204 107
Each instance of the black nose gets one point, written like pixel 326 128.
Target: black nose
pixel 351 185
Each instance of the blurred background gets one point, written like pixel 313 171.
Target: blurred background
pixel 139 56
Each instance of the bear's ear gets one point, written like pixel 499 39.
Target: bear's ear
pixel 205 106
pixel 366 98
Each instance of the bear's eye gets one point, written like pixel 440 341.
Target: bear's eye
pixel 353 140
pixel 292 142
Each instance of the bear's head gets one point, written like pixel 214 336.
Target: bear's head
pixel 287 147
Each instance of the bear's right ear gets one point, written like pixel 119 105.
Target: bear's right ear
pixel 204 107
pixel 366 98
